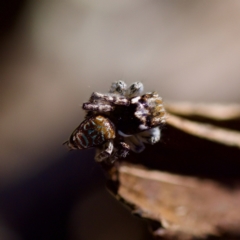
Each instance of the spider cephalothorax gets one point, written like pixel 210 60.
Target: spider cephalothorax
pixel 119 121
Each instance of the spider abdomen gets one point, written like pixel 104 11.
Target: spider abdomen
pixel 92 132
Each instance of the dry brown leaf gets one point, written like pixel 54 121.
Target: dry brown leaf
pixel 189 186
pixel 214 111
pixel 186 207
pixel 208 131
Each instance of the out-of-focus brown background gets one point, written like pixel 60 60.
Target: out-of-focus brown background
pixel 54 54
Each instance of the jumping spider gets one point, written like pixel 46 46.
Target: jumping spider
pixel 119 121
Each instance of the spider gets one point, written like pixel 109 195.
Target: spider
pixel 119 121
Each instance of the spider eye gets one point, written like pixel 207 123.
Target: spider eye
pixel 118 87
pixel 121 83
pixel 135 89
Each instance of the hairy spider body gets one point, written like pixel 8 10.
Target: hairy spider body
pixel 138 114
pixel 119 121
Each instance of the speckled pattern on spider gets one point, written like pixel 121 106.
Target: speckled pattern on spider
pixel 119 121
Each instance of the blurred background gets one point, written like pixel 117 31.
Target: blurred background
pixel 53 55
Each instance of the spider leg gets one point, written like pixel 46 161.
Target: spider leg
pixel 118 87
pixel 109 98
pixel 104 152
pixel 121 151
pixel 136 144
pixel 135 89
pixel 150 136
pixel 97 107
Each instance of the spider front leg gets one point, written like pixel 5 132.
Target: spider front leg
pixel 104 152
pixel 112 99
pixel 97 107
